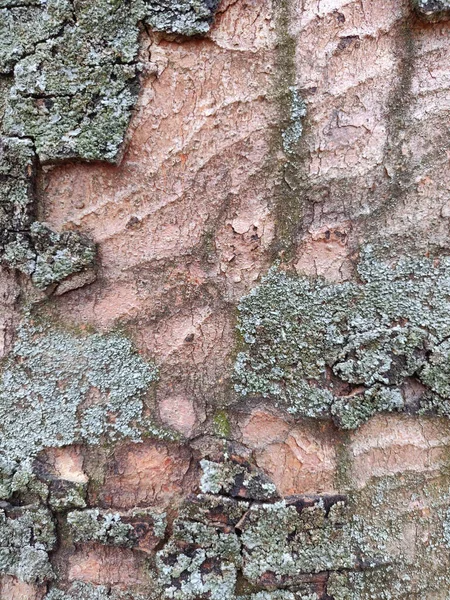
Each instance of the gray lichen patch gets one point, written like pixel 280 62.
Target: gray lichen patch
pixel 255 549
pixel 209 508
pixel 25 25
pixel 64 495
pixel 433 10
pixel 76 70
pixel 27 534
pixel 18 479
pixel 400 519
pixel 185 17
pixel 387 540
pixel 105 528
pixel 236 479
pixel 58 389
pixel 141 527
pixel 303 594
pixel 17 171
pixel 347 350
pixel 6 82
pixel 385 583
pixel 74 94
pixel 201 559
pixel 282 543
pixel 25 244
pixel 28 481
pixel 49 257
pixel 80 590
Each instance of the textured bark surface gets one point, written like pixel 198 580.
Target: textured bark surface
pixel 174 424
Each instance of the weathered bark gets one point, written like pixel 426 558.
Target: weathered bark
pixel 225 300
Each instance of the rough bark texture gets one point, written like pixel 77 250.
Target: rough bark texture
pixel 225 300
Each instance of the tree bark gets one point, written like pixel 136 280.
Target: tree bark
pixel 225 300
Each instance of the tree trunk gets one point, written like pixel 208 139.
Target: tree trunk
pixel 225 300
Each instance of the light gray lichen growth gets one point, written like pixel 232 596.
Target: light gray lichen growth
pixel 293 132
pixel 202 559
pixel 57 388
pixel 81 591
pixel 433 10
pixel 235 479
pixel 220 543
pixel 186 17
pixel 385 540
pixel 106 528
pixel 49 257
pixel 115 529
pixel 27 534
pixel 281 595
pixel 29 481
pixel 217 540
pixel 348 350
pixel 281 544
pixel 25 244
pixel 86 591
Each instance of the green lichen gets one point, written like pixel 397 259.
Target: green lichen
pixel 221 424
pixel 74 94
pixel 347 350
pixel 27 481
pixel 58 389
pixel 76 70
pixel 66 495
pixel 17 478
pixel 27 534
pixel 25 244
pixel 23 26
pixel 17 171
